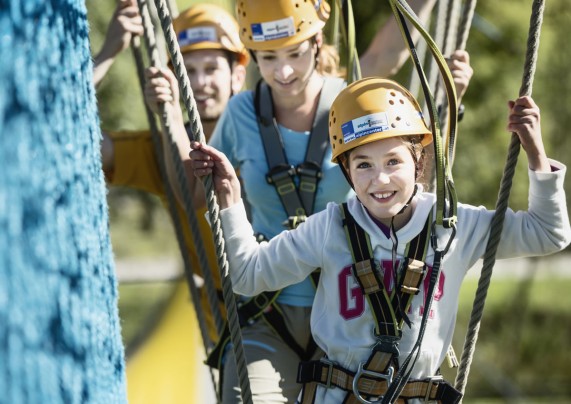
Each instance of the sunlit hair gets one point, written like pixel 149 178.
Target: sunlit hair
pixel 328 62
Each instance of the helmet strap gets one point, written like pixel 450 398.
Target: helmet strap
pixel 407 204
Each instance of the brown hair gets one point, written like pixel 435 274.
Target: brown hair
pixel 328 62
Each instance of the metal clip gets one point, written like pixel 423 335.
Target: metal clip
pixel 433 380
pixel 329 372
pixel 364 372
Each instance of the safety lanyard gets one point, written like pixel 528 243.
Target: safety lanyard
pixel 298 201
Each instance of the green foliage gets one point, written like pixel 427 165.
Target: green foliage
pixel 521 345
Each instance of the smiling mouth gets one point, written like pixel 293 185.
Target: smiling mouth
pixel 202 97
pixel 383 195
pixel 285 83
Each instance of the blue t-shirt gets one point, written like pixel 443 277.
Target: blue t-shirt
pixel 237 135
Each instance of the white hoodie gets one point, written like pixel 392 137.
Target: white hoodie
pixel 341 320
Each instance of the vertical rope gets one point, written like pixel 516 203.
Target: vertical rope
pixel 450 29
pixel 465 24
pixel 172 206
pixel 197 134
pixel 496 225
pixel 188 205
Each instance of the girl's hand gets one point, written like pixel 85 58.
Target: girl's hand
pixel 206 160
pixel 524 121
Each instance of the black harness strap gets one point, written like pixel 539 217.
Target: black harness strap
pixel 297 201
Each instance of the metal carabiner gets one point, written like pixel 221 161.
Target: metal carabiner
pixel 364 372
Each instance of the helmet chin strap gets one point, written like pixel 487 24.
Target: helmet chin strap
pixel 407 204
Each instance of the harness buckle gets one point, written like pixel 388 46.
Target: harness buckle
pixel 364 372
pixel 280 172
pixel 293 221
pixel 309 168
pixel 329 364
pixel 432 381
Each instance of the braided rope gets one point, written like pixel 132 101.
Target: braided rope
pixel 496 225
pixel 189 209
pixel 450 29
pixel 465 24
pixel 197 134
pixel 171 201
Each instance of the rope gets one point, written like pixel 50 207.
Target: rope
pixel 465 24
pixel 188 205
pixel 171 201
pixel 197 134
pixel 347 26
pixel 501 205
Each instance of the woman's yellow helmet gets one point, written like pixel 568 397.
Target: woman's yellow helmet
pixel 267 25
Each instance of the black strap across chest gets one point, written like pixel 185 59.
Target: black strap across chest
pixel 298 201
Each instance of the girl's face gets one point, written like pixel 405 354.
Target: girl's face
pixel 288 70
pixel 383 176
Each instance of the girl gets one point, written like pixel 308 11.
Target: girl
pixel 378 136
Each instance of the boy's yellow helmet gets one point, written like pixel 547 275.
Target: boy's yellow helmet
pixel 371 109
pixel 268 25
pixel 207 26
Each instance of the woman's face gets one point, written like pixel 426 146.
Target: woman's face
pixel 383 176
pixel 288 70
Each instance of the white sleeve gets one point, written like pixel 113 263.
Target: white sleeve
pixel 285 260
pixel 544 228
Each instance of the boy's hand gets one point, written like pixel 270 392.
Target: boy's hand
pixel 161 86
pixel 206 160
pixel 125 23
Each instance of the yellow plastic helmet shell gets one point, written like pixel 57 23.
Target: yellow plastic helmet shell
pixel 371 109
pixel 208 26
pixel 275 24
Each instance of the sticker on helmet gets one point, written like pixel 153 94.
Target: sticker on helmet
pixel 197 34
pixel 266 31
pixel 365 125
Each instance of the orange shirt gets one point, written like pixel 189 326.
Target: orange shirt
pixel 136 166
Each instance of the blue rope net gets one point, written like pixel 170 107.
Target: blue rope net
pixel 60 339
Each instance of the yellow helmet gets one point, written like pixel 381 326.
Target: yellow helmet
pixel 268 25
pixel 371 109
pixel 207 26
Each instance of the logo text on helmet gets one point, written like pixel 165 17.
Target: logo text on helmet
pixel 266 31
pixel 197 34
pixel 364 125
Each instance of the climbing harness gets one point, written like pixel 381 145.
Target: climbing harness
pixel 374 376
pixel 496 226
pixel 298 201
